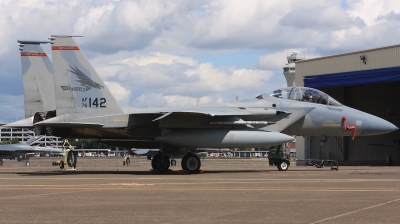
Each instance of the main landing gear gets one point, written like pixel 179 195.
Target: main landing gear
pixel 160 162
pixel 190 162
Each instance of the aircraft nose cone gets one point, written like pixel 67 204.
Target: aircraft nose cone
pixel 377 126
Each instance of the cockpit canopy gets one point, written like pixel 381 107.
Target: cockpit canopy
pixel 305 94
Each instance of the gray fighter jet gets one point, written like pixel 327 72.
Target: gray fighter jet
pixel 87 109
pixel 13 151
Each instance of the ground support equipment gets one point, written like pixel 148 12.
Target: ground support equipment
pixel 279 156
pixel 70 156
pixel 321 163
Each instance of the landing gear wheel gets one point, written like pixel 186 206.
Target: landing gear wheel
pixel 191 163
pixel 27 163
pixel 283 166
pixel 71 159
pixel 61 164
pixel 160 162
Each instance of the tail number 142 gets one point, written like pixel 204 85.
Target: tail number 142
pixel 93 102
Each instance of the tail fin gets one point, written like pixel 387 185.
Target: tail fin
pixel 78 87
pixel 37 77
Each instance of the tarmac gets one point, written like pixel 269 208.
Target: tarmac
pixel 227 191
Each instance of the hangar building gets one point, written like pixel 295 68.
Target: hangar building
pixel 366 80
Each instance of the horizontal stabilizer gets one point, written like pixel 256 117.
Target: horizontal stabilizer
pixel 24 123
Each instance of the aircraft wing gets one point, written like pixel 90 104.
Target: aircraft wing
pixel 25 148
pixel 70 124
pixel 210 116
pixel 227 111
pixel 276 120
pixel 146 152
pixel 213 150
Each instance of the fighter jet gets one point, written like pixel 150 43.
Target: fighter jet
pixel 13 151
pixel 87 109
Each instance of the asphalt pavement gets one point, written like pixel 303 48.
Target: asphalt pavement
pixel 227 191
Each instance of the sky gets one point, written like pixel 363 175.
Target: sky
pixel 184 52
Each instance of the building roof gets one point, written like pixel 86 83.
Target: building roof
pixel 349 53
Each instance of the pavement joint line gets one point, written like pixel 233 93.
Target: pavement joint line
pixel 352 212
pixel 48 194
pixel 201 189
pixel 124 187
pixel 185 178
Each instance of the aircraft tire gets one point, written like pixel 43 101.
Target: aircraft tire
pixel 160 163
pixel 75 159
pixel 283 166
pixel 71 159
pixel 191 163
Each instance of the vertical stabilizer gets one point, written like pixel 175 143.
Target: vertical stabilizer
pixel 37 78
pixel 78 87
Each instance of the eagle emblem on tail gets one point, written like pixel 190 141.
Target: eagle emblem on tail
pixel 84 80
